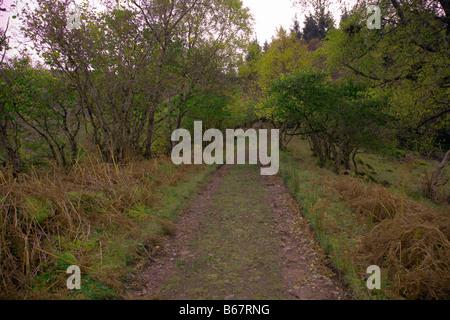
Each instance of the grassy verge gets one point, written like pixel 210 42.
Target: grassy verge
pixel 105 218
pixel 360 223
pixel 336 228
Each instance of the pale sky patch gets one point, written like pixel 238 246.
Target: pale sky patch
pixel 269 15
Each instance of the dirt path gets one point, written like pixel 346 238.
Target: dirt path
pixel 243 237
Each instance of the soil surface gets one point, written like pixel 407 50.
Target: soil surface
pixel 242 238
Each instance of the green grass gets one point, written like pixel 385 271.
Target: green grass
pixel 41 210
pixel 335 226
pixel 388 170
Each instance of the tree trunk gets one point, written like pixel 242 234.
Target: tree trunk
pixel 435 177
pixel 355 152
pixel 337 158
pixel 12 156
pixel 288 137
pixel 150 127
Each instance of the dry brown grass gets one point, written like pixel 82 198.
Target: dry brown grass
pixel 374 200
pixel 54 211
pixel 409 240
pixel 362 223
pixel 414 252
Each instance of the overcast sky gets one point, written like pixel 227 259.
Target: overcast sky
pixel 4 15
pixel 268 16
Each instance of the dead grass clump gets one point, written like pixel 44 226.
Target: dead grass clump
pixel 414 252
pixel 374 200
pixel 32 208
pixel 407 159
pixel 81 211
pixel 409 240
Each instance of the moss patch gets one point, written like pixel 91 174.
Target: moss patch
pixel 41 210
